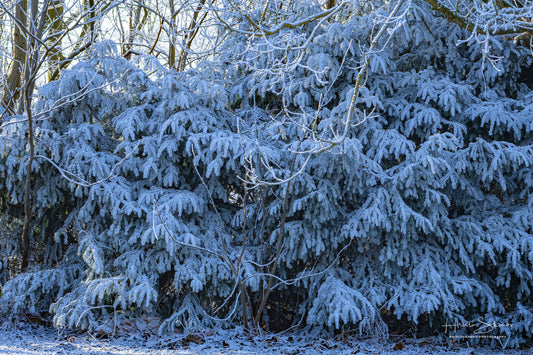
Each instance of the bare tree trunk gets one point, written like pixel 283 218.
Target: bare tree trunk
pixel 135 20
pixel 89 28
pixel 55 18
pixel 12 90
pixel 272 272
pixel 86 39
pixel 25 250
pixel 172 38
pixel 192 30
pixel 32 56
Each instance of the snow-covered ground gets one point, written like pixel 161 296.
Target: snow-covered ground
pixel 41 340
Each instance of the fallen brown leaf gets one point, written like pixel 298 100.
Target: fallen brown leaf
pixel 193 338
pixel 399 346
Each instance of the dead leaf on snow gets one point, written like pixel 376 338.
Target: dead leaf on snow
pixel 193 338
pixel 35 319
pixel 425 342
pixel 399 346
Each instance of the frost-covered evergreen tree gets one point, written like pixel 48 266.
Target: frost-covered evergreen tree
pixel 239 190
pixel 150 167
pixel 430 188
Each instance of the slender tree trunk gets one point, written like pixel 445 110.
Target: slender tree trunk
pixel 86 39
pixel 172 37
pixel 192 30
pixel 32 56
pixel 135 20
pixel 272 272
pixel 55 18
pixel 27 190
pixel 12 90
pixel 90 28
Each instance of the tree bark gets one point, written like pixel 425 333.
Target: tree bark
pixel 189 37
pixel 135 19
pixel 20 46
pixel 86 39
pixel 31 58
pixel 25 249
pixel 55 18
pixel 172 38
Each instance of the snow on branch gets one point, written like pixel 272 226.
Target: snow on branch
pixel 493 18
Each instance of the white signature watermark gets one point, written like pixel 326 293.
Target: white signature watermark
pixel 479 328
